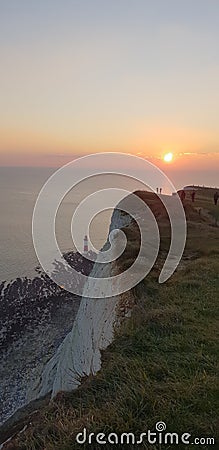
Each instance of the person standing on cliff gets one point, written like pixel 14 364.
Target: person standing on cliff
pixel 216 197
pixel 193 196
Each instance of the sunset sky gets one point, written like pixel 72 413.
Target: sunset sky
pixel 136 76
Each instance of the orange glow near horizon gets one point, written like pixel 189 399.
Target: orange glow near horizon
pixel 129 137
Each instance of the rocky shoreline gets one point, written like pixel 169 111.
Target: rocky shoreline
pixel 36 315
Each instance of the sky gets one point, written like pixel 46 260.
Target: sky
pixel 135 76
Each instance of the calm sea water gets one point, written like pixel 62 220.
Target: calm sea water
pixel 19 188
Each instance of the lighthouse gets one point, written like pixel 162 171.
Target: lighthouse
pixel 85 245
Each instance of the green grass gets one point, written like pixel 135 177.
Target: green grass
pixel 162 365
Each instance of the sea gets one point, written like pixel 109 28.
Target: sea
pixel 19 189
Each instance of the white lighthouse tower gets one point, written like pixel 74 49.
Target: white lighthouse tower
pixel 85 245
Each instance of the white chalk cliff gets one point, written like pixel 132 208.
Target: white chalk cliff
pixel 92 331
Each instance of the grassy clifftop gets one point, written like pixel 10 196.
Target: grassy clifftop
pixel 163 363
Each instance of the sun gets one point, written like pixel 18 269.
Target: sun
pixel 168 157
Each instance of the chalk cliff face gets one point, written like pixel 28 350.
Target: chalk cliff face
pixel 92 331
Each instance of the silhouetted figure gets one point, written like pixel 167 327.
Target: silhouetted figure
pixel 157 190
pixel 216 197
pixel 160 190
pixel 193 196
